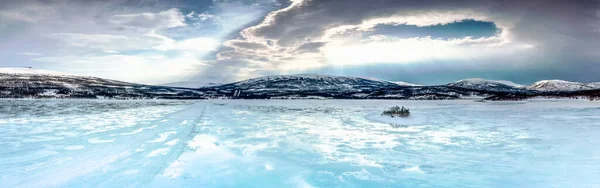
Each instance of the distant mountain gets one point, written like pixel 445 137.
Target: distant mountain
pixel 300 85
pixel 339 87
pixel 488 85
pixel 35 83
pixel 310 82
pixel 561 85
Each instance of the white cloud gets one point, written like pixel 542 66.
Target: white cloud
pixel 30 53
pixel 193 44
pixel 382 49
pixel 149 69
pixel 138 55
pixel 420 20
pixel 302 46
pixel 166 19
pixel 206 16
pixel 33 12
pixel 106 42
pixel 347 47
pixel 110 51
pixel 97 37
pixel 191 15
pixel 14 15
pixel 198 45
pixel 203 17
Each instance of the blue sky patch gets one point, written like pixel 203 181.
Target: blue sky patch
pixel 473 28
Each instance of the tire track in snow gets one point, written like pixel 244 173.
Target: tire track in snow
pixel 101 164
pixel 160 155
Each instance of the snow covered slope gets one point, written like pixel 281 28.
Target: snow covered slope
pixel 594 85
pixel 301 86
pixel 323 86
pixel 36 83
pixel 339 87
pixel 561 85
pixel 33 83
pixel 311 82
pixel 487 85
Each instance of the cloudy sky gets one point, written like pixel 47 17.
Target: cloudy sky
pixel 424 42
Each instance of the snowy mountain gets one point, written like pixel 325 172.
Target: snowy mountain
pixel 324 86
pixel 310 82
pixel 561 85
pixel 35 83
pixel 302 86
pixel 488 85
pixel 508 86
pixel 339 87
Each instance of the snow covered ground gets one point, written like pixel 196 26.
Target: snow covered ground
pixel 298 143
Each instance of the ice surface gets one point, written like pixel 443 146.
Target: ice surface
pixel 411 120
pixel 298 143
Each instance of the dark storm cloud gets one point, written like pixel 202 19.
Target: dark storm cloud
pixel 310 47
pixel 564 34
pixel 311 18
pixel 539 21
pixel 247 45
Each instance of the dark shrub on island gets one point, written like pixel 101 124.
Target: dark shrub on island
pixel 396 111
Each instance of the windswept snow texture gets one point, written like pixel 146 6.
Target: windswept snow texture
pixel 298 143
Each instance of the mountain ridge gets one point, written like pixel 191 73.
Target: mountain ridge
pixel 562 85
pixel 33 83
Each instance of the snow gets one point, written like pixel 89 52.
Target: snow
pixel 594 85
pixel 325 78
pixel 561 85
pixel 24 70
pixel 411 120
pixel 480 81
pixel 298 143
pixel 50 92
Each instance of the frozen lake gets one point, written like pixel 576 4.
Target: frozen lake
pixel 298 143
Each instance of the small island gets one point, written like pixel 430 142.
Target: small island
pixel 396 111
